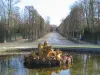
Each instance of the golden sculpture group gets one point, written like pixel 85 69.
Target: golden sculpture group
pixel 46 53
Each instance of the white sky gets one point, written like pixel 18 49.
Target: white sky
pixel 55 9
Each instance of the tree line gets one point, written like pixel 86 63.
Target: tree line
pixel 28 24
pixel 83 22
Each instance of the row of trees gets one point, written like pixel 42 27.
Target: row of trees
pixel 34 25
pixel 9 19
pixel 29 24
pixel 83 22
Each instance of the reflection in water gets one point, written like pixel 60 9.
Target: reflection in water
pixel 86 64
pixel 83 64
pixel 13 65
pixel 10 65
pixel 49 71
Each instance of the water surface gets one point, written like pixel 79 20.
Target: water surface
pixel 83 64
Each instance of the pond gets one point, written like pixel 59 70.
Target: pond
pixel 83 64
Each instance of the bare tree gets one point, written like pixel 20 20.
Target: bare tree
pixel 10 4
pixel 72 24
pixel 84 18
pixel 35 25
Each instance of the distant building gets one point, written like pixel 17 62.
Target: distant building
pixel 53 28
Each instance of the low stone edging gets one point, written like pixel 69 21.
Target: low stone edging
pixel 70 49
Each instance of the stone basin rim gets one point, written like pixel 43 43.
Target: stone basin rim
pixel 63 48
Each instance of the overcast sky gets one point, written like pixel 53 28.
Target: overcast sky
pixel 55 9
